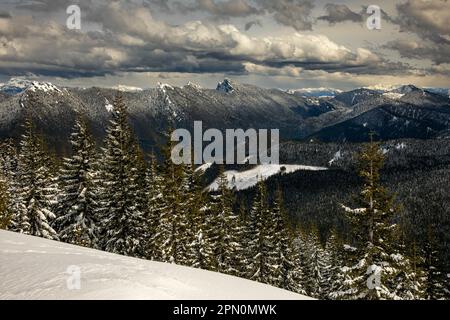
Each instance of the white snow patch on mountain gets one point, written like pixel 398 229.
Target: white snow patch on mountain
pixel 316 92
pixel 125 88
pixel 393 95
pixel 337 156
pixel 36 268
pixel 383 87
pixel 246 179
pixel 43 86
pixel 108 106
pixel 400 146
pixel 193 85
pixel 18 85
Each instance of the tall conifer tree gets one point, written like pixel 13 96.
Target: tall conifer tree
pixel 172 234
pixel 37 189
pixel 123 221
pixel 260 244
pixel 377 256
pixel 77 221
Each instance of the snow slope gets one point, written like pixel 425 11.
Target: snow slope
pixel 36 268
pixel 246 179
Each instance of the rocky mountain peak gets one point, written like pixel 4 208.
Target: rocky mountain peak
pixel 225 86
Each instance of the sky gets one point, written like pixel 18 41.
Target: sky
pixel 285 44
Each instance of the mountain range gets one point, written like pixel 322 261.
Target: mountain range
pixel 323 114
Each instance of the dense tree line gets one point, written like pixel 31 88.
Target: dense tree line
pixel 119 200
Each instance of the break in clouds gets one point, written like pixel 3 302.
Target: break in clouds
pixel 293 39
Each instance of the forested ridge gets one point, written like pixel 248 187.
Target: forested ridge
pixel 361 241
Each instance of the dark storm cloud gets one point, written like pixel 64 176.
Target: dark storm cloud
pixel 4 15
pixel 428 19
pixel 162 5
pixel 291 13
pixel 340 13
pixel 438 53
pixel 223 9
pixel 337 13
pixel 252 23
pixel 49 5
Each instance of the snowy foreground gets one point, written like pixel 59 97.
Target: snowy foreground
pixel 36 268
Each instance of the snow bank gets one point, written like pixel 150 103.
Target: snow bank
pixel 246 179
pixel 36 268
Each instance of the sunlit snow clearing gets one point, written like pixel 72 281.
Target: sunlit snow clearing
pixel 246 179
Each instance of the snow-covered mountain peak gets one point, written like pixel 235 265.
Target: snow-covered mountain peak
pixel 164 86
pixel 225 86
pixel 43 86
pixel 15 86
pixel 193 85
pixel 18 85
pixel 406 89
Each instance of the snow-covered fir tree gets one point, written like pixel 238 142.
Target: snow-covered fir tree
pixel 36 190
pixel 244 235
pixel 408 280
pixel 8 171
pixel 315 265
pixel 77 220
pixel 8 159
pixel 296 277
pixel 284 264
pixel 216 222
pixel 153 204
pixel 171 239
pixel 200 251
pixel 228 231
pixel 378 261
pixel 138 177
pixel 122 221
pixel 435 279
pixel 6 213
pixel 333 274
pixel 260 242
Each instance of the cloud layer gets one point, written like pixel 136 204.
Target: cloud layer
pixel 217 36
pixel 131 39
